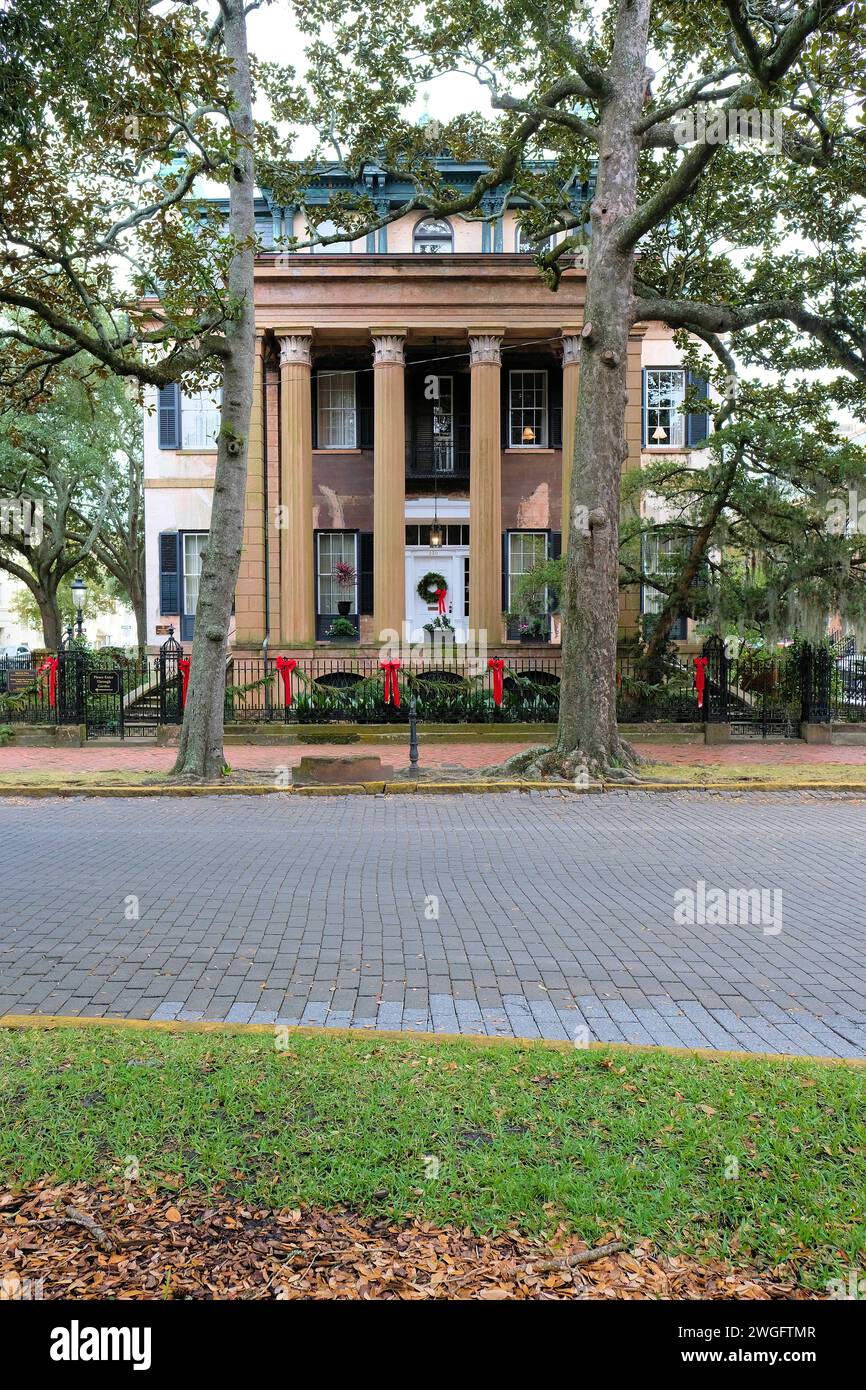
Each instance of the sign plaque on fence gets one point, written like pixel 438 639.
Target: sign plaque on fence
pixel 164 629
pixel 16 681
pixel 104 682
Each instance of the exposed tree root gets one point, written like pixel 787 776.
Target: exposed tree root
pixel 543 764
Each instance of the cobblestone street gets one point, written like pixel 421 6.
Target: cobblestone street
pixel 534 915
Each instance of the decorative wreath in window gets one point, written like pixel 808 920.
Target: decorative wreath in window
pixel 428 585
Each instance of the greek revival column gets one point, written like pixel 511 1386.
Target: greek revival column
pixel 389 481
pixel 485 486
pixel 570 378
pixel 297 607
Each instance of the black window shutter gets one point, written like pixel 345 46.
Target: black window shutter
pixel 169 416
pixel 314 406
pixel 505 535
pixel 555 544
pixel 169 573
pixel 364 408
pixel 365 571
pixel 699 423
pixel 554 408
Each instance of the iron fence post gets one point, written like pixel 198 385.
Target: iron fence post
pixel 413 737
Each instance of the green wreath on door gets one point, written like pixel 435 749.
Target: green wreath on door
pixel 427 586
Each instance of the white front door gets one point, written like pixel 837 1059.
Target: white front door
pixel 450 562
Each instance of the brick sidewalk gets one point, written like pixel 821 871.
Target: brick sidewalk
pixel 471 755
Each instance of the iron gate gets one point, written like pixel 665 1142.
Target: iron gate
pixel 118 699
pixel 767 694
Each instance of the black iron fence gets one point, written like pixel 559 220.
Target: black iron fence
pixel 758 693
pixel 110 693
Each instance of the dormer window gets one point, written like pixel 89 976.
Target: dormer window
pixel 433 236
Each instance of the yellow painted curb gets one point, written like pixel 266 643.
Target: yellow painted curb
pixel 470 788
pixel 25 1022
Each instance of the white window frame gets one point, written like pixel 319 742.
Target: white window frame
pixel 327 575
pixel 676 420
pixel 518 574
pixel 438 246
pixel 199 419
pixel 327 228
pixel 337 420
pixel 192 574
pixel 529 250
pixel 522 412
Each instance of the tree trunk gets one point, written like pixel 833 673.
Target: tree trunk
pixel 587 735
pixel 49 612
pixel 201 744
pixel 139 608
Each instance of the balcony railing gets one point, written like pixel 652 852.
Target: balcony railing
pixel 440 458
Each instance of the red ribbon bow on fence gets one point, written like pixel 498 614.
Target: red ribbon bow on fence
pixel 440 599
pixel 497 666
pixel 700 678
pixel 286 665
pixel 392 687
pixel 183 665
pixel 50 665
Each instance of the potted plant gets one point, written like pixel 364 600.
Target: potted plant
pixel 345 576
pixel 533 629
pixel 342 629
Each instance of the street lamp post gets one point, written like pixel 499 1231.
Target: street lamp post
pixel 79 594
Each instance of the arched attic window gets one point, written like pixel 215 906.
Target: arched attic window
pixel 433 236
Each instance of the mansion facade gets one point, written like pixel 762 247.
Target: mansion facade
pixel 413 415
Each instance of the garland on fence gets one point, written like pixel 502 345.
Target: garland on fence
pixel 183 665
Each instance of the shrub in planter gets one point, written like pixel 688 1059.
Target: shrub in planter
pixel 342 628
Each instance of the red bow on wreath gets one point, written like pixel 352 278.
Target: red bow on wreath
pixel 286 665
pixel 392 687
pixel 700 678
pixel 440 599
pixel 50 665
pixel 183 665
pixel 497 666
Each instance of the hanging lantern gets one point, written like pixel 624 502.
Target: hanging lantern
pixel 437 534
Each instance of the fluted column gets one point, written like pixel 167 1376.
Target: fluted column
pixel 389 481
pixel 570 378
pixel 297 601
pixel 485 486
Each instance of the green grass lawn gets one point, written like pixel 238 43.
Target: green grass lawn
pixel 525 1136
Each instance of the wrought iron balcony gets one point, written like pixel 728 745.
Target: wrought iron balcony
pixel 440 457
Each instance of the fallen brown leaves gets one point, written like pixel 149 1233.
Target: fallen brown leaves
pixel 225 1250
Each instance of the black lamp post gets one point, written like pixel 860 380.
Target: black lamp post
pixel 79 594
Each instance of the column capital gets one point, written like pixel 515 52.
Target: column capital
pixel 484 348
pixel 570 349
pixel 295 348
pixel 388 348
